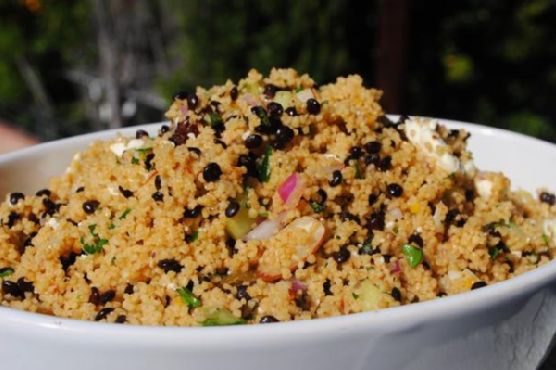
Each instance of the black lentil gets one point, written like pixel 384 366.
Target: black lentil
pixel 372 159
pixel 313 107
pixel 139 134
pixel 342 255
pixel 68 261
pixel 192 213
pixel 102 314
pixel 396 294
pixel 322 196
pixel 158 196
pixel 372 198
pixel 303 301
pixel 233 93
pixel 269 91
pixel 268 319
pixel 394 190
pixel 231 246
pixel 275 109
pixel 326 286
pixel 355 152
pixel 248 161
pixel 336 178
pixel 548 198
pixel 291 111
pixel 478 284
pixel 129 289
pixel 242 293
pixel 148 161
pixel 212 172
pixel 106 297
pixel 51 207
pixel 43 192
pixel 170 264
pixel 194 150
pixel 157 182
pixel 120 319
pixel 164 129
pixel 94 297
pixel 283 136
pixel 126 193
pixel 372 147
pixel 12 288
pixel 253 141
pixel 385 163
pixel 80 189
pixel 232 208
pixel 91 206
pixel 12 219
pixel 16 197
pixel 416 239
pixel 376 221
pixel 192 101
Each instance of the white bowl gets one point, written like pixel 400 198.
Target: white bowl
pixel 508 325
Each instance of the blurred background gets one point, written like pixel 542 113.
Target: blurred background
pixel 69 67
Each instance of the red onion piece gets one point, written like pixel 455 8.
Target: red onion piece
pixel 288 187
pixel 298 285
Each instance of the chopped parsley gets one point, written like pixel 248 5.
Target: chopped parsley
pixel 6 271
pixel 125 213
pixel 188 298
pixel 493 251
pixel 134 160
pixel 95 248
pixel 98 243
pixel 317 207
pixel 264 168
pixel 545 239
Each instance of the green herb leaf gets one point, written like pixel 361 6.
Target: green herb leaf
pixel 193 237
pixel 264 168
pixel 413 255
pixel 355 296
pixel 125 214
pixel 222 316
pixel 358 172
pixel 95 248
pixel 493 251
pixel 366 248
pixel 92 229
pixel 6 271
pixel 215 120
pixel 545 239
pixel 317 207
pixel 188 298
pixel 134 160
pixel 111 227
pixel 143 151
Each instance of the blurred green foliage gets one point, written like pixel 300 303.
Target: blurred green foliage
pixel 489 62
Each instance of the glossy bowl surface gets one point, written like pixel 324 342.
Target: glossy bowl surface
pixel 509 325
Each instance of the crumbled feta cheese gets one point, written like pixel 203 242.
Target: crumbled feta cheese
pixel 483 187
pixel 549 228
pixel 112 190
pixel 53 223
pixel 304 95
pixel 454 275
pixel 135 144
pixel 422 133
pixel 118 148
pixel 469 167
